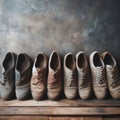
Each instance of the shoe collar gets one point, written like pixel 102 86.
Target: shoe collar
pixel 29 63
pixel 50 61
pixel 85 60
pixel 92 60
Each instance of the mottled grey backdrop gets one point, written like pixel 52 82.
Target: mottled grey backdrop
pixel 64 25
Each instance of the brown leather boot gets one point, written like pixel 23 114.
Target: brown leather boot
pixel 23 76
pixel 39 77
pixel 70 78
pixel 84 80
pixel 54 83
pixel 7 82
pixel 98 74
pixel 113 77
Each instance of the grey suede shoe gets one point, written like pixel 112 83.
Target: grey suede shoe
pixel 98 74
pixel 7 83
pixel 39 77
pixel 113 77
pixel 84 80
pixel 23 76
pixel 70 78
pixel 54 82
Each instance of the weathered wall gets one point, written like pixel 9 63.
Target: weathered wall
pixel 64 25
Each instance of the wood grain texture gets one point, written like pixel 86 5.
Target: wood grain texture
pixel 60 111
pixel 63 103
pixel 111 118
pixel 47 118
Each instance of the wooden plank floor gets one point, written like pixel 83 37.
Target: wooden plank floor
pixel 55 118
pixel 60 110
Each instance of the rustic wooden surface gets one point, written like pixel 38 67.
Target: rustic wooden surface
pixel 63 103
pixel 56 118
pixel 61 107
pixel 60 111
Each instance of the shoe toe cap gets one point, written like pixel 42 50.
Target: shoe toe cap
pixel 38 95
pixel 53 94
pixel 100 92
pixel 70 93
pixel 115 93
pixel 7 94
pixel 85 93
pixel 22 94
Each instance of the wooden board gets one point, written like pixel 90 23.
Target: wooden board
pixel 60 111
pixel 63 103
pixel 60 108
pixel 48 118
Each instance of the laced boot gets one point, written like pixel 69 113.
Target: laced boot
pixel 113 77
pixel 84 80
pixel 23 75
pixel 7 83
pixel 98 74
pixel 70 78
pixel 54 83
pixel 39 77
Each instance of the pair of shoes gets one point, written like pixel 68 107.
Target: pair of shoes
pixel 104 75
pixel 46 79
pixel 77 76
pixel 16 76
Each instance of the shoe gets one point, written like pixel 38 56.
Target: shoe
pixel 54 83
pixel 98 74
pixel 7 82
pixel 23 75
pixel 83 72
pixel 113 77
pixel 39 77
pixel 70 78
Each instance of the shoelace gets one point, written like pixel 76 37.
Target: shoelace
pixel 83 78
pixel 100 77
pixel 115 78
pixel 38 77
pixel 71 82
pixel 4 79
pixel 5 76
pixel 22 78
pixel 54 76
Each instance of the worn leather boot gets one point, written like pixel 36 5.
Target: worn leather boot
pixel 54 83
pixel 83 72
pixel 70 78
pixel 23 76
pixel 113 77
pixel 98 74
pixel 39 77
pixel 7 82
